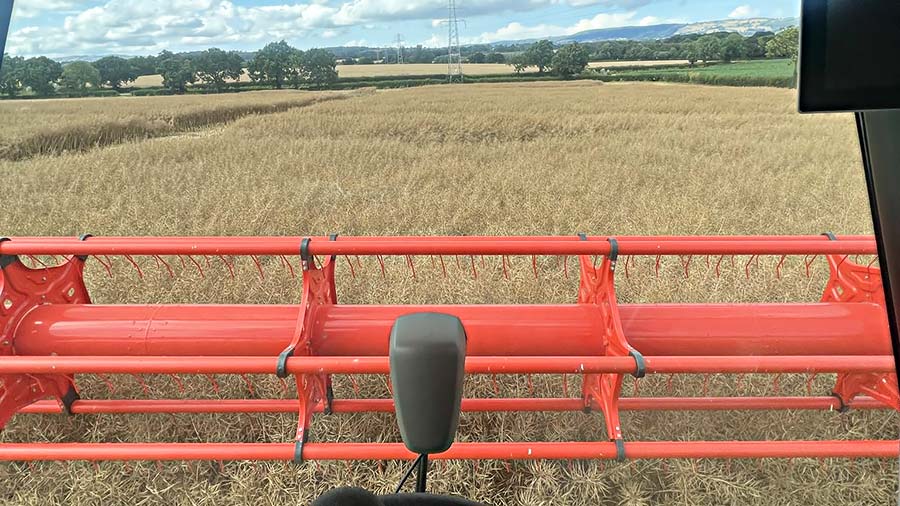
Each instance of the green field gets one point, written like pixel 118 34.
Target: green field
pixel 746 73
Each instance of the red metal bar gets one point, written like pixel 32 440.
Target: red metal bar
pixel 550 330
pixel 126 406
pixel 459 451
pixel 427 246
pixel 474 365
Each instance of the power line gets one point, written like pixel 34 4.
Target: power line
pixel 454 55
pixel 399 48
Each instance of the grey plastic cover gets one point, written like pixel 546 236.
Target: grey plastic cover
pixel 427 356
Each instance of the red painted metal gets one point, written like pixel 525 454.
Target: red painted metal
pixel 553 330
pixel 21 289
pixel 469 451
pixel 428 246
pixel 48 337
pixel 474 365
pixel 124 406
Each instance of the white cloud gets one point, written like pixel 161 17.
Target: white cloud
pixel 516 30
pixel 143 27
pixel 34 8
pixel 744 11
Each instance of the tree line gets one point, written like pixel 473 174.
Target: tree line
pixel 277 64
pixel 572 59
pixel 721 46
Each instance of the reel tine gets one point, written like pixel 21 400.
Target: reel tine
pixel 686 265
pixel 197 265
pixel 530 386
pixel 96 466
pixel 168 267
pixel 135 265
pixel 739 383
pixel 747 265
pixel 411 265
pixel 503 264
pixel 706 378
pixel 458 266
pixel 779 266
pixel 227 264
pixel 474 270
pixel 495 385
pixel 443 266
pixel 109 384
pixel 482 262
pixel 35 261
pixel 106 265
pixel 177 380
pixel 809 261
pixel 183 263
pixel 719 265
pixel 669 384
pixel 809 382
pixel 658 259
pixel 144 386
pixel 284 385
pixel 381 263
pixel 213 382
pixel 566 267
pixel 534 266
pixel 349 264
pixel 248 383
pixel 355 385
pixel 627 261
pixel 565 383
pixel 776 384
pixel 636 387
pixel 262 274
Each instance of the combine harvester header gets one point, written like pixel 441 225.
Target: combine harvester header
pixel 51 333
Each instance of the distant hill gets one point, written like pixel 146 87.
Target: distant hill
pixel 744 27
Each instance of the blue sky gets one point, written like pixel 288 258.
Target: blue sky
pixel 132 27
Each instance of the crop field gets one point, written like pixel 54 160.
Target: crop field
pixel 754 68
pixel 528 158
pixel 427 69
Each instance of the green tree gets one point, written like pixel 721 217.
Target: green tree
pixel 692 53
pixel 709 48
pixel 10 75
pixel 540 55
pixel 274 63
pixel 298 73
pixel 732 48
pixel 79 75
pixel 784 44
pixel 115 71
pixel 570 60
pixel 40 74
pixel 177 71
pixel 519 63
pixel 478 57
pixel 142 65
pixel 214 66
pixel 496 58
pixel 319 67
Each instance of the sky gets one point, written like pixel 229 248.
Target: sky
pixel 59 28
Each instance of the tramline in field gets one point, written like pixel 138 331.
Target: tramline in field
pixel 52 334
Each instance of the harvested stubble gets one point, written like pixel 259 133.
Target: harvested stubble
pixel 484 159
